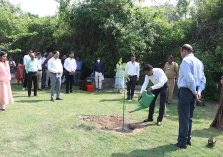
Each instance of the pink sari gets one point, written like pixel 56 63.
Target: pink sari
pixel 5 86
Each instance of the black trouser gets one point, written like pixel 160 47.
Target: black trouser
pixel 186 106
pixel 69 82
pixel 32 77
pixel 131 86
pixel 25 79
pixel 162 91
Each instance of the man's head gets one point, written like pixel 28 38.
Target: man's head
pixel 71 55
pixel 185 50
pixel 133 58
pixel 98 60
pixel 56 54
pixel 50 54
pixel 32 56
pixel 39 55
pixel 45 54
pixel 29 52
pixel 148 69
pixel 170 59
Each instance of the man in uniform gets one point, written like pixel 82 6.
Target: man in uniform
pixel 171 71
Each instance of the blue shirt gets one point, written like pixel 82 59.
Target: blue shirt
pixel 79 64
pixel 31 65
pixel 191 74
pixel 98 67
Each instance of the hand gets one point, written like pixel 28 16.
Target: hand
pixel 149 90
pixel 198 96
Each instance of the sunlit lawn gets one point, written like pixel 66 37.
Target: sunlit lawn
pixel 37 127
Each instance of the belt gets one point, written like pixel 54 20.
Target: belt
pixel 32 71
pixel 184 88
pixel 39 70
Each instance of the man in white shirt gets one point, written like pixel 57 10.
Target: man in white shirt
pixel 39 73
pixel 70 68
pixel 132 69
pixel 26 58
pixel 159 80
pixel 55 68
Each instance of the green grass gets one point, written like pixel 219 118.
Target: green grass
pixel 37 127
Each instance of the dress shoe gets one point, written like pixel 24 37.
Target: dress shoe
pixel 189 143
pixel 59 99
pixel 180 146
pixel 159 123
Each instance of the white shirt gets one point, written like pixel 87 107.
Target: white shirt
pixel 70 64
pixel 39 63
pixel 132 68
pixel 158 79
pixel 26 58
pixel 55 65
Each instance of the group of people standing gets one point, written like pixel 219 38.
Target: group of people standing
pixel 190 81
pixel 44 72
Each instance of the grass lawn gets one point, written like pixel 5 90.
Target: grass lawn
pixel 37 127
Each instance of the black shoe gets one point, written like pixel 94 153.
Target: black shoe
pixel 128 98
pixel 189 143
pixel 159 123
pixel 148 120
pixel 52 99
pixel 59 99
pixel 180 146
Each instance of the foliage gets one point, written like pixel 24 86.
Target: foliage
pixel 111 29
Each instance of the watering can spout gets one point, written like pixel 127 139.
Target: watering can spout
pixel 145 101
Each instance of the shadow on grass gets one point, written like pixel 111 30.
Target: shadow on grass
pixel 104 100
pixel 19 96
pixel 207 132
pixel 30 101
pixel 159 151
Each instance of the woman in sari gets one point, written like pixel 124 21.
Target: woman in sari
pixel 5 86
pixel 119 76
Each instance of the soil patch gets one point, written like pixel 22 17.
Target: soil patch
pixel 113 123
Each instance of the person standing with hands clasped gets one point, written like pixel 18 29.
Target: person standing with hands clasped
pixel 99 74
pixel 70 68
pixel 132 68
pixel 31 70
pixel 171 71
pixel 191 82
pixel 5 86
pixel 159 80
pixel 55 68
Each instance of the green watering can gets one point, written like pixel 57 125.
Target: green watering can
pixel 145 101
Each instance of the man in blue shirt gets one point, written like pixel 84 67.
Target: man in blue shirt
pixel 191 82
pixel 31 69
